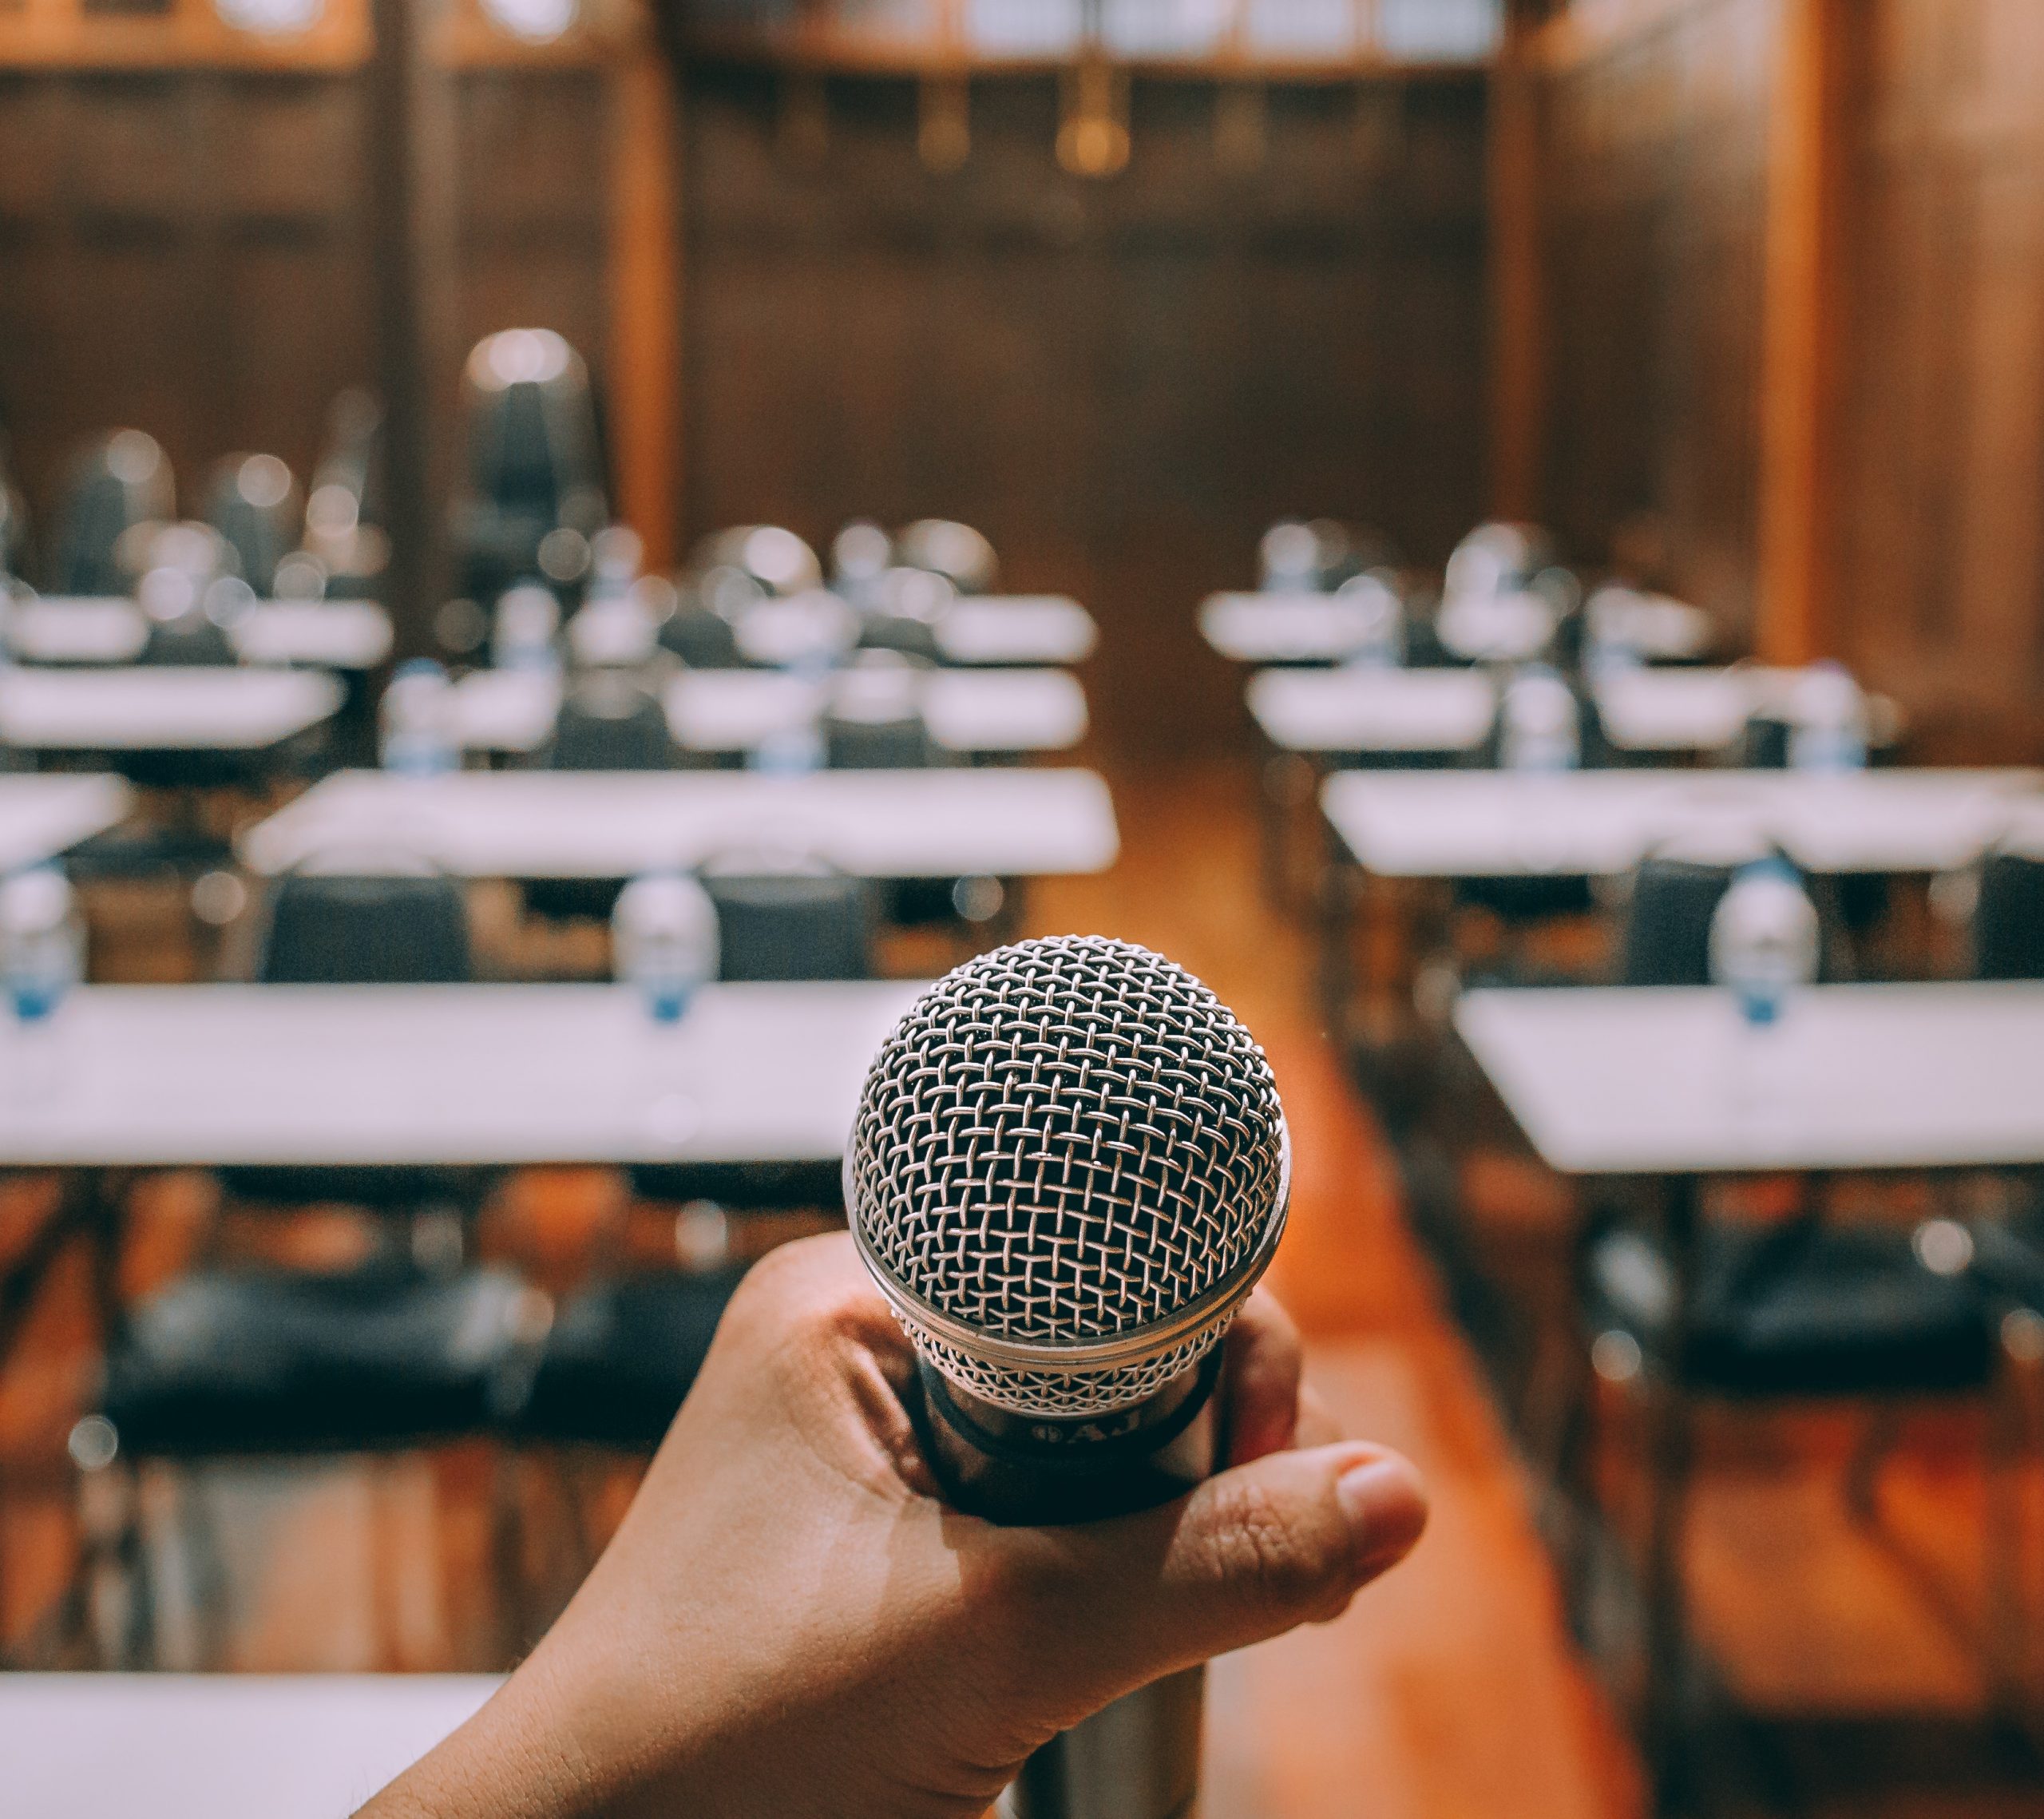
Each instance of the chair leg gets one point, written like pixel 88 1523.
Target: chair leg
pixel 207 1567
pixel 1877 1441
pixel 2005 1639
pixel 508 1538
pixel 119 1588
pixel 1669 1454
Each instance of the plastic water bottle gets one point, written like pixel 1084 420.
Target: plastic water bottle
pixel 42 942
pixel 418 738
pixel 1829 727
pixel 1539 729
pixel 1610 645
pixel 1379 622
pixel 664 941
pixel 1288 558
pixel 1763 939
pixel 527 623
pixel 792 750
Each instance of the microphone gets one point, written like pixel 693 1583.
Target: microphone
pixel 1068 1170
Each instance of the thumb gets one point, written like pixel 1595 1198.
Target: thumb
pixel 1251 1553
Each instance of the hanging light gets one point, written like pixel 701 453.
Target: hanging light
pixel 533 21
pixel 271 19
pixel 1092 133
pixel 944 121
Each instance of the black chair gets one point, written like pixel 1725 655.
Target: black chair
pixel 406 1350
pixel 622 1355
pixel 13 529
pixel 259 1363
pixel 192 642
pixel 344 509
pixel 608 721
pixel 2008 920
pixel 944 547
pixel 408 927
pixel 119 482
pixel 1776 1315
pixel 271 1361
pixel 2008 944
pixel 533 460
pixel 901 632
pixel 252 500
pixel 807 922
pixel 896 742
pixel 1764 744
pixel 701 638
pixel 625 1350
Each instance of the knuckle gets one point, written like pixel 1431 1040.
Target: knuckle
pixel 1277 1561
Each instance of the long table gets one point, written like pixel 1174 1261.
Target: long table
pixel 530 824
pixel 1331 711
pixel 1024 630
pixel 1406 825
pixel 151 708
pixel 1668 1085
pixel 177 1075
pixel 972 713
pixel 345 635
pixel 1326 628
pixel 42 817
pixel 1649 1081
pixel 220 1746
pixel 1505 824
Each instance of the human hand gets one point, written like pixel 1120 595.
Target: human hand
pixel 789 1622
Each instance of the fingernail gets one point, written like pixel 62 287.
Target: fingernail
pixel 1386 1509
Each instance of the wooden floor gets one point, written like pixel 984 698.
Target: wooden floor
pixel 1449 1692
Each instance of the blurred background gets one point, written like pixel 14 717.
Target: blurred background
pixel 1451 517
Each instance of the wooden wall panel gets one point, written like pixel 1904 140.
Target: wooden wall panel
pixel 186 250
pixel 1123 382
pixel 186 256
pixel 1939 537
pixel 1655 148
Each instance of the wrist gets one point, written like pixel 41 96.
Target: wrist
pixel 519 1757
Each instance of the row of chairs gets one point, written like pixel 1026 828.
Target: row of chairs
pixel 421 1344
pixel 1873 1314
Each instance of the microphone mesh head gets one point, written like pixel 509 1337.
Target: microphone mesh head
pixel 1069 1167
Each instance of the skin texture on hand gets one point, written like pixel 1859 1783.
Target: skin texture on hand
pixel 789 1622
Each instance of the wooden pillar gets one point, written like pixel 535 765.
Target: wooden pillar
pixel 411 204
pixel 1801 327
pixel 645 300
pixel 1518 352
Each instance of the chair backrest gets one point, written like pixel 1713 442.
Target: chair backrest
pixel 955 551
pixel 1763 745
pixel 251 499
pixel 702 639
pixel 1667 935
pixel 121 481
pixel 899 632
pixel 13 528
pixel 348 929
pixel 611 722
pixel 807 924
pixel 1593 750
pixel 1675 893
pixel 2008 920
pixel 192 642
pixel 532 435
pixel 900 742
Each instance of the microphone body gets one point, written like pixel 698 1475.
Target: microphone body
pixel 1138 1758
pixel 1069 1169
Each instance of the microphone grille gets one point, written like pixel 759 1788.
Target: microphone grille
pixel 1069 1167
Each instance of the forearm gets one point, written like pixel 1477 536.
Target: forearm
pixel 519 1757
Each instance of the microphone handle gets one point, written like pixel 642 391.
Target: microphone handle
pixel 1139 1757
